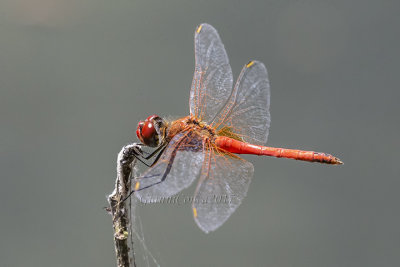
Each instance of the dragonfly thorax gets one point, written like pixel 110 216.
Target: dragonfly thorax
pixel 189 124
pixel 203 127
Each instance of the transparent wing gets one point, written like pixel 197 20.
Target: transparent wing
pixel 176 169
pixel 212 79
pixel 247 111
pixel 223 184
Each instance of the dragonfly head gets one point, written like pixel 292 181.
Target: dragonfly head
pixel 151 132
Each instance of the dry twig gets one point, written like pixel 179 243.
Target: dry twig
pixel 118 207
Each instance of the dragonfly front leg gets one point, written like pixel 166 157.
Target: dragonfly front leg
pixel 129 152
pixel 134 151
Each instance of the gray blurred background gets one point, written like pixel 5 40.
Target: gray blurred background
pixel 76 76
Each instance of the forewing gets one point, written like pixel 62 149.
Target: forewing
pixel 212 79
pixel 223 184
pixel 177 168
pixel 247 111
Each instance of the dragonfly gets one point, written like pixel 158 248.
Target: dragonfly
pixel 225 120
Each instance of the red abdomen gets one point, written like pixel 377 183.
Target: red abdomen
pixel 238 147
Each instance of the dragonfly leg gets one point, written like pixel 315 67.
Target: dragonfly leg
pixel 140 189
pixel 131 151
pixel 159 149
pixel 147 186
pixel 134 151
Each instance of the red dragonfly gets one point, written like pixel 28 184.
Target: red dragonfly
pixel 224 121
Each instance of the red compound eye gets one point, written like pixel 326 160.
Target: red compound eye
pixel 147 132
pixel 139 130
